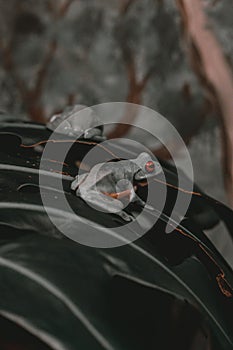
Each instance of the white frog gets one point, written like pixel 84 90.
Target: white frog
pixel 77 121
pixel 109 185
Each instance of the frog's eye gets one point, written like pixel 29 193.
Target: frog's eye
pixel 150 167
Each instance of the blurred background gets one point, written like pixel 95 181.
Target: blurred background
pixel 172 56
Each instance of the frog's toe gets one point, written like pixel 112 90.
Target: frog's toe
pixel 125 216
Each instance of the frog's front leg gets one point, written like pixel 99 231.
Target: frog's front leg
pixel 94 134
pixel 126 188
pixel 79 179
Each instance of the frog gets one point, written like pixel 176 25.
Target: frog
pixel 110 186
pixel 77 121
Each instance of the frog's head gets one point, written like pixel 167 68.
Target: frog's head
pixel 146 167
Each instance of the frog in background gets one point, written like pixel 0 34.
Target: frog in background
pixel 77 121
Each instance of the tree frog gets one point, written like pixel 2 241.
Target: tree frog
pixel 77 121
pixel 109 185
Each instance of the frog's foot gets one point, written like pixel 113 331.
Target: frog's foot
pixel 125 216
pixel 89 135
pixel 92 133
pixel 79 179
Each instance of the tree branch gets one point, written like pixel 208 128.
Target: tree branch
pixel 64 8
pixel 43 70
pixel 9 66
pixel 125 6
pixel 32 97
pixel 134 95
pixel 215 74
pixel 135 87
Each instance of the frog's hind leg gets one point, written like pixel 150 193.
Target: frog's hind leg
pixel 106 203
pixel 101 201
